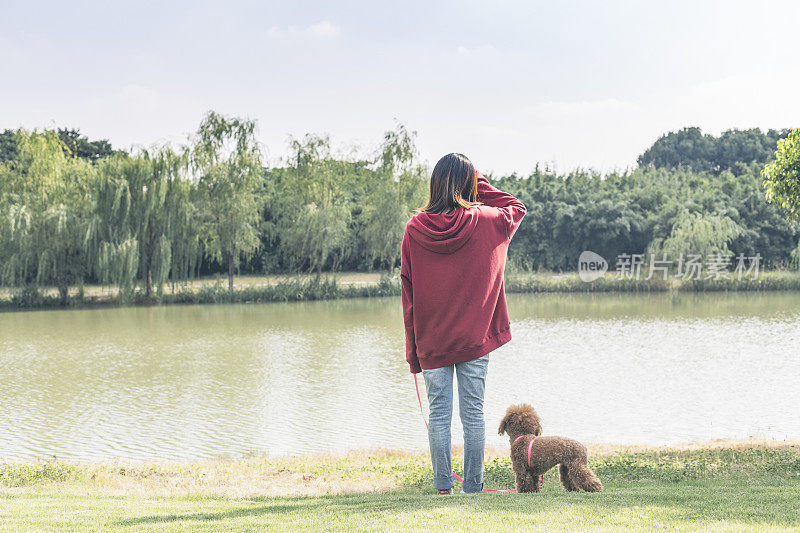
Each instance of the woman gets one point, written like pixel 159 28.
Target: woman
pixel 454 304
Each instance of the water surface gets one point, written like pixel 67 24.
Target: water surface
pixel 193 382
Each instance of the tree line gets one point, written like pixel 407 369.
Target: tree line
pixel 74 211
pixel 79 212
pixel 691 148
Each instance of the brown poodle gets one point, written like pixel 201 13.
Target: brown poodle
pixel 521 424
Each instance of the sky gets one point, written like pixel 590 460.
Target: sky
pixel 565 84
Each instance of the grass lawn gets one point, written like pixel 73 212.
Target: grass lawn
pixel 653 505
pixel 750 485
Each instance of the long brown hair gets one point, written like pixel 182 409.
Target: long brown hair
pixel 454 183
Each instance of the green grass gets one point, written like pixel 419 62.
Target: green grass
pixel 214 292
pixel 778 280
pixel 741 486
pixel 549 282
pixel 687 506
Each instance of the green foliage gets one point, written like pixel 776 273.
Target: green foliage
pixel 318 227
pixel 697 233
pixel 545 283
pixel 145 217
pixel 118 263
pixel 46 229
pixel 79 214
pixel 326 288
pixel 80 146
pixel 227 161
pixel 286 291
pixel 74 144
pixel 782 176
pixel 766 281
pixel 690 148
pixel 796 257
pixel 678 466
pixel 399 186
pixel 29 473
pixel 627 212
pixel 29 296
pixel 8 145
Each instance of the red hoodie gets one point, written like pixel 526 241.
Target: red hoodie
pixel 451 275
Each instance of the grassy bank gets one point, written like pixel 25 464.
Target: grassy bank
pixel 214 291
pixel 781 280
pixel 258 289
pixel 729 485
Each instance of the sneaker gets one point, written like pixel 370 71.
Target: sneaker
pixel 445 491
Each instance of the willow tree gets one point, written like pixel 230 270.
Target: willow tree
pixel 227 162
pixel 47 215
pixel 700 234
pixel 398 187
pixel 182 227
pixel 145 219
pixel 316 215
pixel 7 195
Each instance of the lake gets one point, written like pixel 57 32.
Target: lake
pixel 224 381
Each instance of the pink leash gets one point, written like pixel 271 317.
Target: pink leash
pixel 419 399
pixel 422 413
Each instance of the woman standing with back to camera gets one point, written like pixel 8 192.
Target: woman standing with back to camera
pixel 454 304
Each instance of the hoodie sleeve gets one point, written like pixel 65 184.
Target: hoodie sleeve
pixel 512 209
pixel 408 305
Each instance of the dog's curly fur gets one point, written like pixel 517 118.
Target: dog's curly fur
pixel 546 453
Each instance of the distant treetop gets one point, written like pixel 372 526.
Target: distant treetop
pixel 690 148
pixel 77 145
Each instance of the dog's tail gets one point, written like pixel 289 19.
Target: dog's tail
pixel 584 479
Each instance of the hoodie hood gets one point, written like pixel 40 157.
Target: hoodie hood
pixel 443 233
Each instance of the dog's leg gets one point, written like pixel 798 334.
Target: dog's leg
pixel 566 480
pixel 583 478
pixel 527 482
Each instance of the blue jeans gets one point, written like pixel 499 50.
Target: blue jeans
pixel 471 377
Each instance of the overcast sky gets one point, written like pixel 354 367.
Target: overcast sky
pixel 588 84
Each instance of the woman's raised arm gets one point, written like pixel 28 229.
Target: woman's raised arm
pixel 513 210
